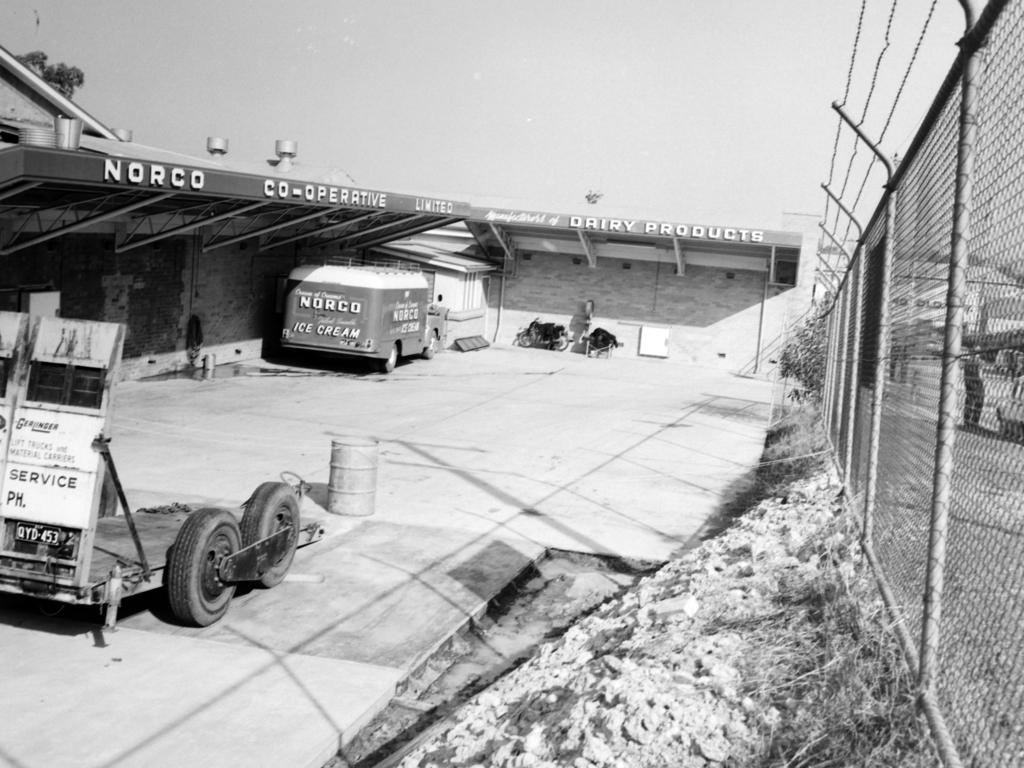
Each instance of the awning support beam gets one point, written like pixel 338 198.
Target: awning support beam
pixel 369 230
pixel 425 227
pixel 588 248
pixel 508 246
pixel 17 190
pixel 211 246
pixel 88 221
pixel 128 243
pixel 54 217
pixel 680 256
pixel 319 230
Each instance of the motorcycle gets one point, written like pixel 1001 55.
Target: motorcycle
pixel 538 334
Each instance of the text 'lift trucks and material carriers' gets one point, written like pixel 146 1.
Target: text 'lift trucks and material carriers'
pixel 67 533
pixel 372 312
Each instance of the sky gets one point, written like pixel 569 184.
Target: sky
pixel 685 110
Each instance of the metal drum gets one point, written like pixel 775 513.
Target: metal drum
pixel 352 488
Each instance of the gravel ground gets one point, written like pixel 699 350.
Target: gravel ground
pixel 666 674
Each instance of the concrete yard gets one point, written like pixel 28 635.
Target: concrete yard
pixel 487 460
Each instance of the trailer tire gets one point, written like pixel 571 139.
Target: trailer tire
pixel 271 507
pixel 431 349
pixel 194 589
pixel 388 365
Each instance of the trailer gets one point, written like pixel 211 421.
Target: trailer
pixel 374 311
pixel 67 533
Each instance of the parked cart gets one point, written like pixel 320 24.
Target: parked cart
pixel 600 343
pixel 67 533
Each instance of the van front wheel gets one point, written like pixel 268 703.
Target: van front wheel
pixel 388 365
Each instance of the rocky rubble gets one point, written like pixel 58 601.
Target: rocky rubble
pixel 661 676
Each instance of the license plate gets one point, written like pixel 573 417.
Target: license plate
pixel 35 533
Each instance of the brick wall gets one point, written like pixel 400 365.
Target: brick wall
pixel 234 290
pixel 37 267
pixel 713 318
pixel 140 288
pixel 153 290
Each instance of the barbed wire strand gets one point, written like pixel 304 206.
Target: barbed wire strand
pixel 878 62
pixel 846 93
pixel 910 66
pixel 871 92
pixel 895 103
pixel 849 80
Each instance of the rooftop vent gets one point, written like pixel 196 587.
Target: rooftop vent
pixel 67 132
pixel 285 151
pixel 216 146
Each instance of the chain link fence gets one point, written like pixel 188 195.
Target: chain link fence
pixel 925 404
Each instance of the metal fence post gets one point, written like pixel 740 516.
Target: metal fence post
pixel 844 371
pixel 884 332
pixel 950 379
pixel 952 550
pixel 838 371
pixel 851 302
pixel 831 359
pixel 836 349
pixel 857 299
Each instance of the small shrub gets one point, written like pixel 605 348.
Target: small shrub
pixel 803 357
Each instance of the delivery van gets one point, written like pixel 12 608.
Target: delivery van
pixel 376 312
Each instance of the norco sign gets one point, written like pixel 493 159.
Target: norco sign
pixel 329 305
pixel 212 181
pixel 152 175
pixel 665 229
pixel 321 193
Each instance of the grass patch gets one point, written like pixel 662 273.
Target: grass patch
pixel 832 668
pixel 828 666
pixel 794 448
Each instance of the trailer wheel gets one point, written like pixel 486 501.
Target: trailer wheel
pixel 271 507
pixel 388 365
pixel 431 349
pixel 194 589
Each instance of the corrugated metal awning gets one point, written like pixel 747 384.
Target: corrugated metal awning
pixel 46 193
pixel 435 257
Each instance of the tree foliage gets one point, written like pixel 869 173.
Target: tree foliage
pixel 803 357
pixel 65 78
